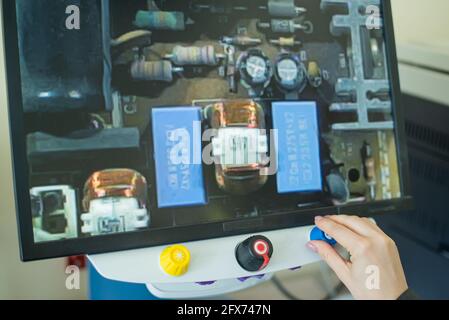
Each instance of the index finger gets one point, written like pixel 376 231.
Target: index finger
pixel 343 235
pixel 358 225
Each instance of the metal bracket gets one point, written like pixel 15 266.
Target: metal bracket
pixel 352 25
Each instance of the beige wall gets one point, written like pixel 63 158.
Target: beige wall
pixel 421 21
pixel 415 20
pixel 36 280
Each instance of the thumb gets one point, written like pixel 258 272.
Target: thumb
pixel 331 257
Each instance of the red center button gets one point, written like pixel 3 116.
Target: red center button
pixel 261 247
pixel 254 253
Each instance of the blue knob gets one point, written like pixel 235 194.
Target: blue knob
pixel 317 234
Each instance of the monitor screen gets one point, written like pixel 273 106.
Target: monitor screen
pixel 142 123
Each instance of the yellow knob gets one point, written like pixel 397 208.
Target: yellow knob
pixel 175 260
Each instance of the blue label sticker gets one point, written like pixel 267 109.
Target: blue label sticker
pixel 177 154
pixel 297 147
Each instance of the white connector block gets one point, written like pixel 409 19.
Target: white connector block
pixel 70 213
pixel 240 146
pixel 112 215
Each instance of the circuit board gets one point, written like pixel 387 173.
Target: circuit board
pixel 144 117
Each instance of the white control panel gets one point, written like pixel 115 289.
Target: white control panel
pixel 210 260
pixel 208 289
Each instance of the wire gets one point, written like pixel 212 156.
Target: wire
pixel 331 294
pixel 278 284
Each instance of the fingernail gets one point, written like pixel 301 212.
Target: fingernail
pixel 318 218
pixel 312 247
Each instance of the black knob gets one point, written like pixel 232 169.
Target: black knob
pixel 254 253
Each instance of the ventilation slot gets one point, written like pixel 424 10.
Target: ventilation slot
pixel 428 171
pixel 428 136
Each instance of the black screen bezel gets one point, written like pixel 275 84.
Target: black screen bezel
pixel 148 238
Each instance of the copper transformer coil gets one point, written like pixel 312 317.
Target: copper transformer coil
pixel 115 183
pixel 239 113
pixel 245 113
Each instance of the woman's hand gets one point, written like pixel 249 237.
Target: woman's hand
pixel 374 270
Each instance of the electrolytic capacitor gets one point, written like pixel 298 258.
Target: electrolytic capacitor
pixel 255 70
pixel 160 20
pixel 338 187
pixel 290 73
pixel 197 56
pixel 153 70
